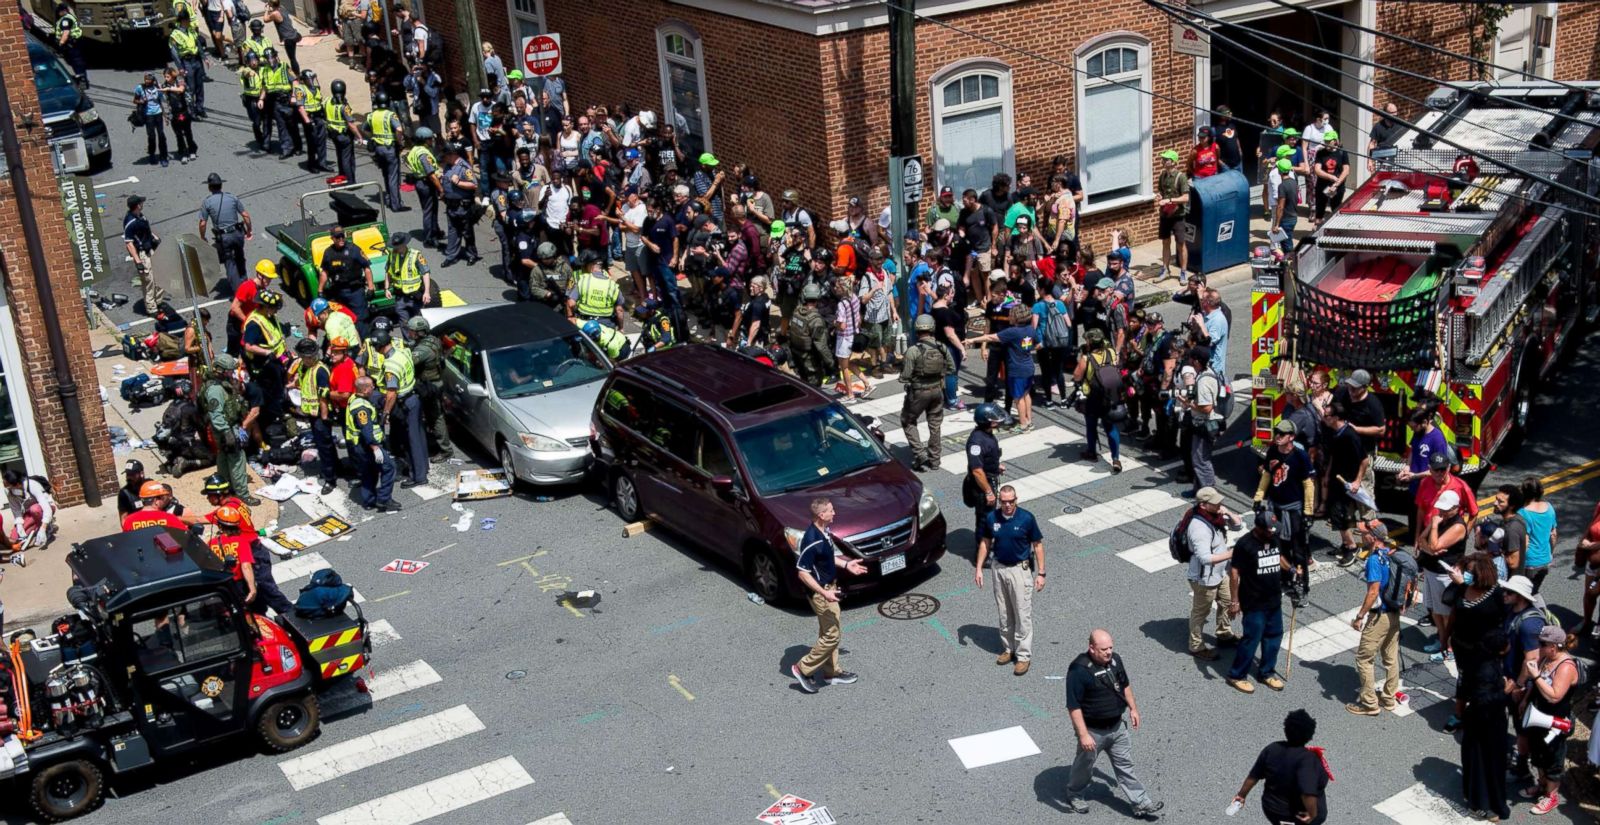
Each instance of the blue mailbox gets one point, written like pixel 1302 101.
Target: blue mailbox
pixel 1219 218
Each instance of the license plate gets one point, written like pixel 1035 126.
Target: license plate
pixel 141 23
pixel 893 564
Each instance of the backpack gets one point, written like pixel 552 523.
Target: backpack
pixel 1106 380
pixel 1055 331
pixel 1150 367
pixel 1224 406
pixel 324 595
pixel 1542 612
pixel 1178 540
pixel 1402 575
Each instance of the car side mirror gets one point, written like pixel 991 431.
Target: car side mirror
pixel 477 390
pixel 723 485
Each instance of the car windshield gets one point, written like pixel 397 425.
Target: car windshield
pixel 806 448
pixel 543 366
pixel 48 74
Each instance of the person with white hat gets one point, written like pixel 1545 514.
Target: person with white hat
pixel 1439 548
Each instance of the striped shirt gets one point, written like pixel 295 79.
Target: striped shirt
pixel 849 315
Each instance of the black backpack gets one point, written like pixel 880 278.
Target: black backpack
pixel 324 595
pixel 1178 539
pixel 1106 380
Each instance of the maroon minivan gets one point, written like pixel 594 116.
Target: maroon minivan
pixel 729 453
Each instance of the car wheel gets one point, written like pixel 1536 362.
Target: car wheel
pixel 67 790
pixel 625 496
pixel 289 723
pixel 294 282
pixel 508 462
pixel 765 574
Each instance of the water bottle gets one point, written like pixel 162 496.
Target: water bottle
pixel 754 598
pixel 1233 810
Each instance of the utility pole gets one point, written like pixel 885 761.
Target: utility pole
pixel 905 168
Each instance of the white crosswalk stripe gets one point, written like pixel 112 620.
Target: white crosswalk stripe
pixel 954 424
pixel 1150 557
pixel 1240 384
pixel 1326 638
pixel 1135 506
pixel 553 819
pixel 1421 805
pixel 436 797
pixel 351 755
pixel 1065 477
pixel 1017 446
pixel 427 492
pixel 385 684
pixel 381 633
pixel 885 400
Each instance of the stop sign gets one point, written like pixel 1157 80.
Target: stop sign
pixel 541 54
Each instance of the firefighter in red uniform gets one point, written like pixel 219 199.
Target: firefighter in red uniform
pixel 237 542
pixel 218 493
pixel 1203 161
pixel 158 510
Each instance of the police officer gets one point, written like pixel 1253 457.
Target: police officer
pixel 406 277
pixel 523 248
pixel 276 87
pixel 594 295
pixel 222 402
pixel 427 356
pixel 250 89
pixel 500 201
pixel 336 325
pixel 615 344
pixel 983 466
pixel 262 340
pixel 313 118
pixel 922 371
pixel 190 59
pixel 808 338
pixel 68 35
pixel 311 377
pixel 257 43
pixel 346 276
pixel 336 116
pixel 423 168
pixel 550 278
pixel 460 188
pixel 402 407
pixel 230 228
pixel 382 129
pixel 363 432
pixel 657 332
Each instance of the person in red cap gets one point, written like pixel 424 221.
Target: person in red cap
pixel 158 510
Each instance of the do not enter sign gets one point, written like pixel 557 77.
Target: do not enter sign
pixel 541 54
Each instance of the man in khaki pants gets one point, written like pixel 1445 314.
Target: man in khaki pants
pixel 1012 539
pixel 141 242
pixel 818 562
pixel 1379 621
pixel 1208 570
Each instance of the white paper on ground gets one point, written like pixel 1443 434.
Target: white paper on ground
pixel 283 489
pixel 994 747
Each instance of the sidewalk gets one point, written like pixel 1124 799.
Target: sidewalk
pixel 1147 262
pixel 38 593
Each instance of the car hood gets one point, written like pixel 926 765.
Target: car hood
pixel 863 500
pixel 561 414
pixel 59 101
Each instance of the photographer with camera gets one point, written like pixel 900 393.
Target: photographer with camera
pixel 1202 405
pixel 1104 403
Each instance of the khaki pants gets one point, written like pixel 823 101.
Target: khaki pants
pixel 1200 608
pixel 824 655
pixel 153 294
pixel 1013 595
pixel 1381 634
pixel 923 401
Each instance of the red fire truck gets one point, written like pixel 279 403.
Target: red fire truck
pixel 1455 280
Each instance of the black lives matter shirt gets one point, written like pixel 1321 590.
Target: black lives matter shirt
pixel 1260 585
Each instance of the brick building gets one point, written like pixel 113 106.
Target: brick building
pixel 799 89
pixel 33 430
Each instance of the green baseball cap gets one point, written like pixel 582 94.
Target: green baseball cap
pixel 1291 132
pixel 1284 164
pixel 708 159
pixel 778 228
pixel 1285 151
pixel 1170 155
pixel 514 74
pixel 1330 135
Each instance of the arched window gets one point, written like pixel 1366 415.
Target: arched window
pixel 683 87
pixel 971 106
pixel 1114 119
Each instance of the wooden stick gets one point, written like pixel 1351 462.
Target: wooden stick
pixel 1294 612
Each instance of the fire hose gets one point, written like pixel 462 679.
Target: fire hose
pixel 19 686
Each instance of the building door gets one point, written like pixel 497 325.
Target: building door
pixel 1525 45
pixel 527 20
pixel 19 440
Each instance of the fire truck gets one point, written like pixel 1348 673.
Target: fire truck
pixel 1454 279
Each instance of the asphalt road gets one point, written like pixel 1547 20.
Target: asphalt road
pixel 671 701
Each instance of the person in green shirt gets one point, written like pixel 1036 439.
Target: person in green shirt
pixel 1172 210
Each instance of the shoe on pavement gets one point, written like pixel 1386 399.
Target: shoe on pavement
pixel 1088 456
pixel 1003 659
pixel 1432 647
pixel 1149 810
pixel 1346 559
pixel 843 677
pixel 1443 656
pixel 1426 620
pixel 1116 467
pixel 388 507
pixel 1205 654
pixel 251 500
pixel 805 681
pixel 409 483
pixel 1021 667
pixel 1076 805
pixel 1362 711
pixel 1452 724
pixel 328 487
pixel 1546 804
pixel 1227 640
pixel 1241 685
pixel 20 559
pixel 1273 682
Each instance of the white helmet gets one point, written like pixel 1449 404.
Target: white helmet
pixel 647 119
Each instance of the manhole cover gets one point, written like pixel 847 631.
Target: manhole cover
pixel 1071 510
pixel 909 606
pixel 516 674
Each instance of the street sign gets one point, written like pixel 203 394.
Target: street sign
pixel 541 54
pixel 404 567
pixel 1191 40
pixel 911 178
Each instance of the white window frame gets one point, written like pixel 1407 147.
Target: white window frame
pixel 16 378
pixel 664 60
pixel 513 55
pixel 1116 40
pixel 938 111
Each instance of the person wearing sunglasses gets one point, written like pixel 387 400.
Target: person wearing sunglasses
pixel 1012 542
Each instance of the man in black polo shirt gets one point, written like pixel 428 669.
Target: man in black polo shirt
pixel 819 559
pixel 1012 539
pixel 346 276
pixel 1256 576
pixel 1098 691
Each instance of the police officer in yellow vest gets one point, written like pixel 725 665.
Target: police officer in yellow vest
pixel 257 43
pixel 190 59
pixel 363 434
pixel 406 277
pixel 68 35
pixel 262 340
pixel 275 106
pixel 382 129
pixel 311 116
pixel 311 377
pixel 615 344
pixel 250 89
pixel 403 408
pixel 594 295
pixel 423 170
pixel 337 115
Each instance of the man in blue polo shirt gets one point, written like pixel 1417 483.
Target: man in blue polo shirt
pixel 818 562
pixel 1013 539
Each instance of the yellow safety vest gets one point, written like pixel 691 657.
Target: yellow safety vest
pixel 403 274
pixel 311 394
pixel 373 360
pixel 336 114
pixel 69 21
pixel 311 99
pixel 256 46
pixel 414 157
pixel 380 125
pixel 611 341
pixel 276 79
pixel 398 363
pixel 249 82
pixel 339 325
pixel 270 333
pixel 352 433
pixel 187 42
pixel 597 295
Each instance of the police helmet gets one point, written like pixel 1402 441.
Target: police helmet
pixel 257 25
pixel 380 99
pixel 988 414
pixel 546 250
pixel 216 485
pixel 527 217
pixel 812 292
pixel 423 133
pixel 319 306
pixel 379 339
pixel 270 52
pixel 382 322
pixel 305 346
pixel 337 87
pixel 588 257
pixel 418 324
pixel 308 76
pixel 270 300
pixel 645 307
pixel 252 57
pixel 515 196
pixel 591 328
pixel 924 323
pixel 399 239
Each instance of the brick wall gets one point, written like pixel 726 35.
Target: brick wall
pixel 1577 49
pixel 23 299
pixel 1439 24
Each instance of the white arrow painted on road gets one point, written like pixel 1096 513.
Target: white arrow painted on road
pixel 128 179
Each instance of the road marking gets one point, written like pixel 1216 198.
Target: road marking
pixel 381 633
pixel 128 179
pixel 1134 507
pixel 380 746
pixel 1017 446
pixel 952 426
pixel 570 609
pixel 885 403
pixel 1065 477
pixel 440 550
pixel 1031 708
pixel 1571 482
pixel 427 492
pixel 1421 805
pixel 672 679
pixel 437 797
pixel 1240 384
pixel 288 817
pixel 386 598
pixel 448 298
pixel 772 789
pixel 384 684
pixel 1326 638
pixel 1149 557
pixel 1556 476
pixel 943 631
pixel 994 747
pixel 596 716
pixel 553 819
pixel 520 559
pixel 316 505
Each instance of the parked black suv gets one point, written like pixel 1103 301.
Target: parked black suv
pixel 729 453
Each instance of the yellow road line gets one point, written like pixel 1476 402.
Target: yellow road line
pixel 1556 476
pixel 1572 481
pixel 521 559
pixel 672 679
pixel 390 596
pixel 579 613
pixel 771 789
